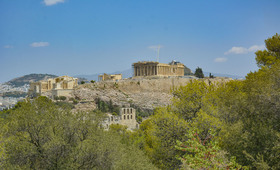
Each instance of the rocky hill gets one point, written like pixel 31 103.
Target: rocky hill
pixel 140 93
pixel 20 81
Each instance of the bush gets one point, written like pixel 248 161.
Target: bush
pixel 62 98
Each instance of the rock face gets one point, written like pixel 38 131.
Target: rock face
pixel 144 100
pixel 142 93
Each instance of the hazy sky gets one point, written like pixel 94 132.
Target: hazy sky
pixel 71 37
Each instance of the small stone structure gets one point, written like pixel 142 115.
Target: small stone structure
pixel 105 76
pixel 150 68
pixel 127 117
pixel 59 86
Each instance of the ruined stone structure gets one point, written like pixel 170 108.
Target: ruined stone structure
pixel 105 76
pixel 150 68
pixel 60 86
pixel 127 117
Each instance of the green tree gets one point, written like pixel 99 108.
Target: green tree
pixel 41 135
pixel 204 154
pixel 199 73
pixel 272 54
pixel 158 135
pixel 251 113
pixel 188 100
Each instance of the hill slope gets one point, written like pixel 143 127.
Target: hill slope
pixel 20 81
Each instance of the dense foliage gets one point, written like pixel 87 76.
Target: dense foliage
pixel 41 135
pixel 244 115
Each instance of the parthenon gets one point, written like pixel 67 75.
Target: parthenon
pixel 151 68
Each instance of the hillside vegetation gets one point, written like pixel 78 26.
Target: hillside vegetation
pixel 20 81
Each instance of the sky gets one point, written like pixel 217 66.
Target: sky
pixel 73 37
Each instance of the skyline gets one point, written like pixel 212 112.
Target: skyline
pixel 70 37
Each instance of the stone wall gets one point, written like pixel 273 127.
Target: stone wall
pixel 127 118
pixel 104 77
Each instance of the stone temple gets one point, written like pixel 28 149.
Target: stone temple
pixel 151 68
pixel 59 86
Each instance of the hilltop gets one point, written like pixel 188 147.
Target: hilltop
pixel 21 81
pixel 145 94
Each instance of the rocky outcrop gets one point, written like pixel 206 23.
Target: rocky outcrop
pixel 142 93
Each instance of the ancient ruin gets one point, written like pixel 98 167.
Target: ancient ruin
pixel 59 86
pixel 105 76
pixel 151 68
pixel 127 118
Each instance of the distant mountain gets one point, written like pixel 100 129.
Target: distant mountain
pixel 206 74
pixel 20 81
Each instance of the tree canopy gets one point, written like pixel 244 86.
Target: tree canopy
pixel 199 73
pixel 271 55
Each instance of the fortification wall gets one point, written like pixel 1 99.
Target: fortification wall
pixel 164 85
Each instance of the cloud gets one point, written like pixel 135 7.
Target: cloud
pixel 243 50
pixel 220 60
pixel 237 50
pixel 8 46
pixel 39 44
pixel 256 48
pixel 52 2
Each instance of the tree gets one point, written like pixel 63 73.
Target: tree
pixel 251 113
pixel 158 135
pixel 41 135
pixel 83 82
pixel 204 154
pixel 92 81
pixel 211 75
pixel 188 100
pixel 199 73
pixel 272 54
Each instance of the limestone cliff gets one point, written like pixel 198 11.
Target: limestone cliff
pixel 142 93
